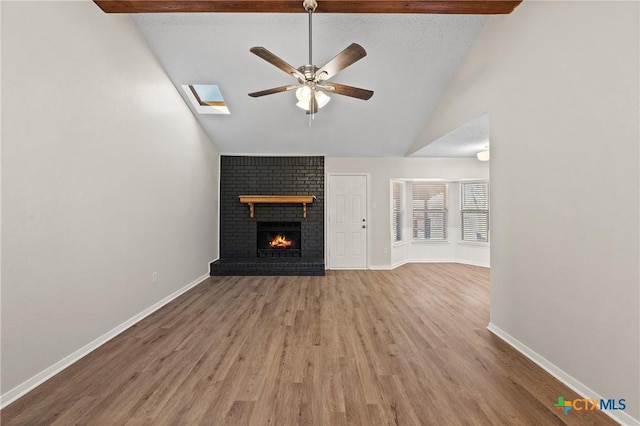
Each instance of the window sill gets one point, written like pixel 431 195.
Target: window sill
pixel 474 243
pixel 431 242
pixel 399 243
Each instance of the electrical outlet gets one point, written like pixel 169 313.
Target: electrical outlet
pixel 154 277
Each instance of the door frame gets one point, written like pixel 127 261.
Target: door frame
pixel 327 234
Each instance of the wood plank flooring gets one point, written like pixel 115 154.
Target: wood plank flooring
pixel 401 347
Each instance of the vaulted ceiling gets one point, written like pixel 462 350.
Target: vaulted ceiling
pixel 412 53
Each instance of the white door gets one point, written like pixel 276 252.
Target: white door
pixel 347 221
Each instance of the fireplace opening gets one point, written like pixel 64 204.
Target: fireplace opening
pixel 279 239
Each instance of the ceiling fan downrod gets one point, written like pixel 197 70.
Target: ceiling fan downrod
pixel 310 6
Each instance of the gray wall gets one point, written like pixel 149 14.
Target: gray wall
pixel 106 178
pixel 560 82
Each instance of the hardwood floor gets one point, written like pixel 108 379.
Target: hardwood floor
pixel 406 347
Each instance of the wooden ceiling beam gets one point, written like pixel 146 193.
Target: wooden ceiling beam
pixel 475 7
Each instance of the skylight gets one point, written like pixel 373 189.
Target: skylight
pixel 206 98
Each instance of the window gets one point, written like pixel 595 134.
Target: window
pixel 398 211
pixel 206 98
pixel 474 207
pixel 429 211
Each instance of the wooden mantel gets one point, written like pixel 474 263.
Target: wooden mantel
pixel 277 199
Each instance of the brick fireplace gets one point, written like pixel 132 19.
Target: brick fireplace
pixel 246 243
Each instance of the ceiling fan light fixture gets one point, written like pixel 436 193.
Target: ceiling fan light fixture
pixel 304 95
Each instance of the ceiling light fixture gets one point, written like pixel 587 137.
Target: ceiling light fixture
pixel 483 155
pixel 304 95
pixel 313 80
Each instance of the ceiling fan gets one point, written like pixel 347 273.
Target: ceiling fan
pixel 312 81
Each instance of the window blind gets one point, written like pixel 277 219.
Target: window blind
pixel 429 207
pixel 398 209
pixel 474 207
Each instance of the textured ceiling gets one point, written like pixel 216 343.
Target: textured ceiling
pixel 410 60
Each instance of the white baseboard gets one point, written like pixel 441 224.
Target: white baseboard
pixel 463 262
pixel 432 261
pixel 15 393
pixel 404 262
pixel 388 267
pixel 573 383
pixel 346 269
pixel 474 263
pixel 381 267
pixel 399 264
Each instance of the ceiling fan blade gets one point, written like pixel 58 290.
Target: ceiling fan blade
pixel 274 60
pixel 272 91
pixel 354 92
pixel 353 53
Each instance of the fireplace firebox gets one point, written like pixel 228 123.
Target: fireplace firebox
pixel 279 239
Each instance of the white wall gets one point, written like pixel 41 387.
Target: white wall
pixel 106 178
pixel 381 171
pixel 560 82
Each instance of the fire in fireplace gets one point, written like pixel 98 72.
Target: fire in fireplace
pixel 279 239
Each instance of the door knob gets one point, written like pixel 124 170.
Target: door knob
pixel 363 226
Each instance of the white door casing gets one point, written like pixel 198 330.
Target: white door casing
pixel 348 222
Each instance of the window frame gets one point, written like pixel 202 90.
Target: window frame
pixel 397 226
pixel 425 211
pixel 476 211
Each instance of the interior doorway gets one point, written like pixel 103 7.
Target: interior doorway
pixel 347 221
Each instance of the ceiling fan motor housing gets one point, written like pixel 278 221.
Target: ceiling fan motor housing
pixel 309 72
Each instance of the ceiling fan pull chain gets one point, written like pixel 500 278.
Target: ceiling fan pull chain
pixel 311 109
